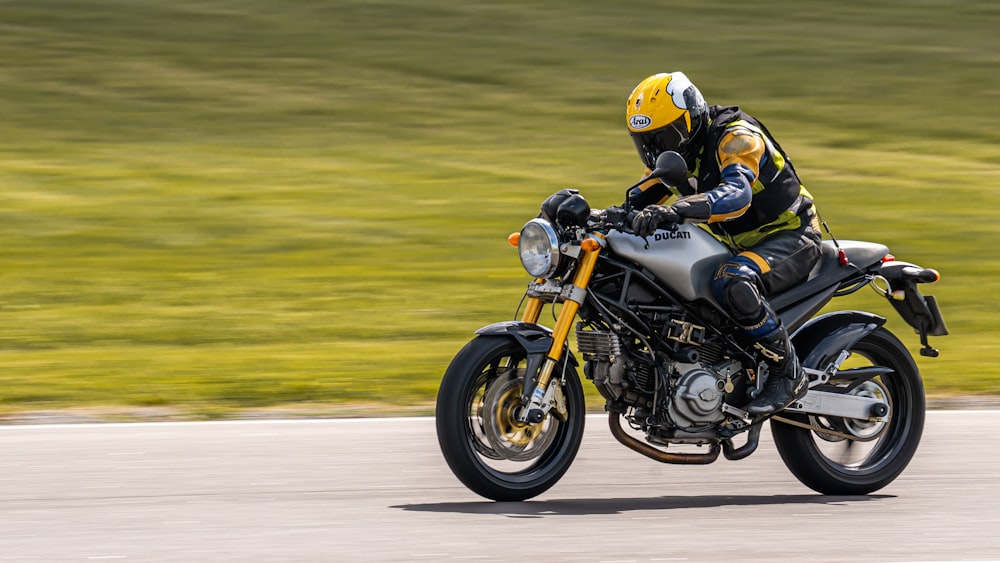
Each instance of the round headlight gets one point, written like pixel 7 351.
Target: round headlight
pixel 539 248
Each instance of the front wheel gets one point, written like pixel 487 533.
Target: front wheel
pixel 857 457
pixel 487 448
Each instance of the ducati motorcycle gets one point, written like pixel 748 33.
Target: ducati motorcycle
pixel 675 371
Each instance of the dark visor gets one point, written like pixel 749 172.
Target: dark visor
pixel 650 144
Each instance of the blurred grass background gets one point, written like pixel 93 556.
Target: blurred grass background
pixel 218 205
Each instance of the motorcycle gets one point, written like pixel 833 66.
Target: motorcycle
pixel 673 366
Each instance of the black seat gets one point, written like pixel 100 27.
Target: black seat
pixel 829 271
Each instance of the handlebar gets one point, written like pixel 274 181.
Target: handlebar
pixel 612 218
pixel 618 219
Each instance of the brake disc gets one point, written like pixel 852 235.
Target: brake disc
pixel 510 438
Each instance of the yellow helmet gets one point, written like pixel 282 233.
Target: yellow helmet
pixel 666 112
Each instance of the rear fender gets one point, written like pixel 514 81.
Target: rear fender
pixel 819 342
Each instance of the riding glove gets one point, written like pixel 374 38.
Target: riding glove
pixel 654 217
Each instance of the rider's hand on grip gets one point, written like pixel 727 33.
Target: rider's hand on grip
pixel 654 217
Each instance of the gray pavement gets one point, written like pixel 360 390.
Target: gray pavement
pixel 378 490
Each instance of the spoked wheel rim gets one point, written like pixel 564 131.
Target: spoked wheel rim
pixel 837 456
pixel 484 443
pixel 504 445
pixel 855 445
pixel 856 456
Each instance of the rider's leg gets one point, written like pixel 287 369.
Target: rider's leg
pixel 775 265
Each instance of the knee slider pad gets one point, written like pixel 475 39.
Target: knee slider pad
pixel 743 300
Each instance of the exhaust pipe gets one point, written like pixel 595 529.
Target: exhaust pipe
pixel 753 439
pixel 614 421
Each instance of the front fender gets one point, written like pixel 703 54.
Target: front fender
pixel 819 342
pixel 536 341
pixel 533 338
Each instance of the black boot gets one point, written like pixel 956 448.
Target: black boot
pixel 786 382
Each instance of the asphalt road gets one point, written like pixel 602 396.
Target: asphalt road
pixel 378 490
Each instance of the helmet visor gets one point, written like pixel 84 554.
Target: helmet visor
pixel 672 137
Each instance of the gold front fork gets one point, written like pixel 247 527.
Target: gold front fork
pixel 534 308
pixel 574 298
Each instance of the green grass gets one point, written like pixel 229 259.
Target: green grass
pixel 216 205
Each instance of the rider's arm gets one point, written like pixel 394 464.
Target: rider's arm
pixel 740 152
pixel 650 192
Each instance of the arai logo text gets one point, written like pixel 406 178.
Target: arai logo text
pixel 639 121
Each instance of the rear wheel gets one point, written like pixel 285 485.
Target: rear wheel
pixel 486 447
pixel 854 456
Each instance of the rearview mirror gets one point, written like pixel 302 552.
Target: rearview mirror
pixel 671 168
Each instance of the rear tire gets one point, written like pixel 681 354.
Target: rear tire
pixel 486 448
pixel 834 465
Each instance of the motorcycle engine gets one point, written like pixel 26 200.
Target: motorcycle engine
pixel 698 397
pixel 631 380
pixel 616 378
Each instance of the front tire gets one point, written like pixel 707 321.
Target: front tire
pixel 877 451
pixel 489 451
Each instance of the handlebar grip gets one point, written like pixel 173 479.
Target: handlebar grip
pixel 630 218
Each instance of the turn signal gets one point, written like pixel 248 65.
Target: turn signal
pixel 514 239
pixel 589 245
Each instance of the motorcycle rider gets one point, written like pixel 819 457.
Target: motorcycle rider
pixel 744 187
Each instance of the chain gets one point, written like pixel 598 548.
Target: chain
pixel 828 432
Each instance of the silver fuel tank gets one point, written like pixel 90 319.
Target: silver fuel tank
pixel 684 260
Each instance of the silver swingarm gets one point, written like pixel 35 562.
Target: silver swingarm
pixel 842 405
pixel 824 403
